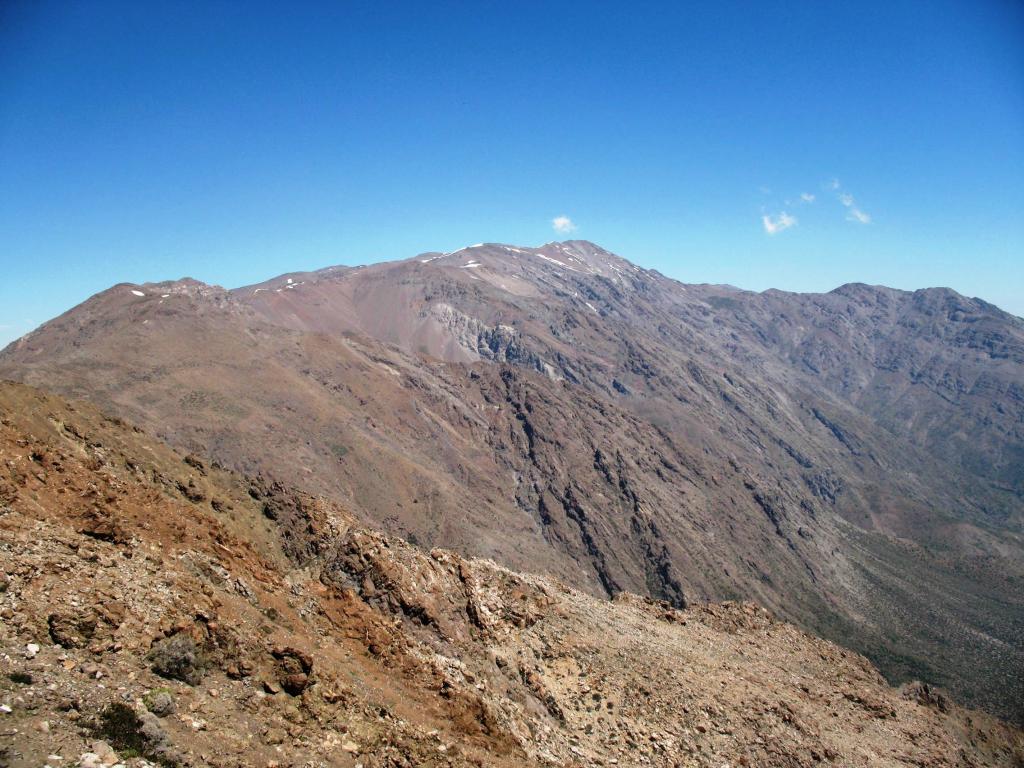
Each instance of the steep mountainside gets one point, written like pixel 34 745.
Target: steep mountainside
pixel 850 461
pixel 160 610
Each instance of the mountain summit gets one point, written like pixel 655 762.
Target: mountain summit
pixel 854 461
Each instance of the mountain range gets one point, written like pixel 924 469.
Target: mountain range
pixel 851 461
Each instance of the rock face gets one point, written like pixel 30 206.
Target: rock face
pixel 326 643
pixel 851 461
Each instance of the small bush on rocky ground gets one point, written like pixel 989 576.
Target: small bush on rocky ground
pixel 177 658
pixel 122 728
pixel 133 735
pixel 159 701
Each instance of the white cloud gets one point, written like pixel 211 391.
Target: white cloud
pixel 847 200
pixel 775 224
pixel 832 188
pixel 562 224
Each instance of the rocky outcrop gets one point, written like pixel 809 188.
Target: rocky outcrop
pixel 499 343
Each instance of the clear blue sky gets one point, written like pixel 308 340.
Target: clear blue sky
pixel 235 141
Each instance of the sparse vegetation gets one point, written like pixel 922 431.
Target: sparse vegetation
pixel 177 658
pixel 122 728
pixel 133 735
pixel 159 701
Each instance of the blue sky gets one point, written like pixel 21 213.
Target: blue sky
pixel 235 141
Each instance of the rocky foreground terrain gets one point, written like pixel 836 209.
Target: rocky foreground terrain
pixel 156 609
pixel 851 461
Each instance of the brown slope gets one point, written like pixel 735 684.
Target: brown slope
pixel 929 368
pixel 507 464
pixel 663 446
pixel 319 641
pixel 688 356
pixel 940 368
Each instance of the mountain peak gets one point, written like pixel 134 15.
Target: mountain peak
pixel 498 263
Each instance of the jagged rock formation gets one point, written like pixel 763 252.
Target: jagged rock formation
pixel 158 609
pixel 477 341
pixel 851 461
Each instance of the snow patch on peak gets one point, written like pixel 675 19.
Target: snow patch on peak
pixel 465 248
pixel 559 263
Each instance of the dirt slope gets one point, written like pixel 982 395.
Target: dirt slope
pixel 173 612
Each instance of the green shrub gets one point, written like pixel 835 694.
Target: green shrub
pixel 122 729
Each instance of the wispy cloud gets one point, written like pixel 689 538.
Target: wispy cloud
pixel 563 225
pixel 856 214
pixel 853 211
pixel 775 224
